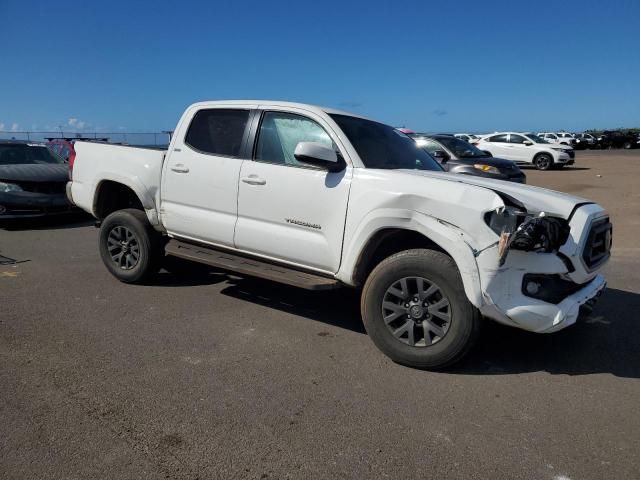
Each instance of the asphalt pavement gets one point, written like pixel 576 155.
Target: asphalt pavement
pixel 213 376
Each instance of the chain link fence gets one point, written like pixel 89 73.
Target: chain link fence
pixel 153 139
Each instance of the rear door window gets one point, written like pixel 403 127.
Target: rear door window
pixel 498 138
pixel 218 131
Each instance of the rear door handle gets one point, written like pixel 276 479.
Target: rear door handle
pixel 254 180
pixel 180 168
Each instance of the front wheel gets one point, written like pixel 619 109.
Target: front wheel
pixel 543 161
pixel 415 310
pixel 130 248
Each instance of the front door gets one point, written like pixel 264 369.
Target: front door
pixel 199 190
pixel 289 211
pixel 518 151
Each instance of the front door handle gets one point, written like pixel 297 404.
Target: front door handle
pixel 254 180
pixel 180 168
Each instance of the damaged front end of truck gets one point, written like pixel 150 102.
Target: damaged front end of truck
pixel 544 268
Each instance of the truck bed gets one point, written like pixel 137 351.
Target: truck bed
pixel 139 168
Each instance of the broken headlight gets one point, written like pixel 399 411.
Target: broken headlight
pixel 505 219
pixel 523 231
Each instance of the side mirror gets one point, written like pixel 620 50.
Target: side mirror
pixel 319 155
pixel 441 155
pixel 527 143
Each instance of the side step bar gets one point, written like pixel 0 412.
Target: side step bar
pixel 249 266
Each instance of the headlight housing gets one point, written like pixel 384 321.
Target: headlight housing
pixel 505 219
pixel 524 231
pixel 486 168
pixel 9 187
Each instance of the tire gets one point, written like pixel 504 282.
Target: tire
pixel 627 145
pixel 543 161
pixel 437 343
pixel 130 248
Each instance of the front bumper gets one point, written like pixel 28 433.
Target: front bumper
pixel 29 204
pixel 542 317
pixel 566 159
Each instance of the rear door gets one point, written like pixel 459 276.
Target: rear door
pixel 200 176
pixel 289 211
pixel 497 145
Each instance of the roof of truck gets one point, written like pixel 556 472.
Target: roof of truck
pixel 277 103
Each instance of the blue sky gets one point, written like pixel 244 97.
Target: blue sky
pixel 432 66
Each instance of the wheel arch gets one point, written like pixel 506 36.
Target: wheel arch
pixel 116 193
pixel 428 232
pixel 544 152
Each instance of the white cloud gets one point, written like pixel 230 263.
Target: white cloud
pixel 76 123
pixel 14 127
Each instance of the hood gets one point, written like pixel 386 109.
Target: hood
pixel 534 199
pixel 35 173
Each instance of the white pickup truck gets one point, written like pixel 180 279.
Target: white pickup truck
pixel 318 198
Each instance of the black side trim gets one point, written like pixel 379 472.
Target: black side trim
pixel 250 134
pixel 243 265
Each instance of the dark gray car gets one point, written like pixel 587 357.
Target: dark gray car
pixel 32 180
pixel 458 156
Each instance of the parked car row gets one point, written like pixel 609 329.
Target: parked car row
pixel 579 141
pixel 496 155
pixel 617 139
pixel 458 156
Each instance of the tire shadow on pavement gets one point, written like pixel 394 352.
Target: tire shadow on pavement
pixel 605 341
pixel 340 307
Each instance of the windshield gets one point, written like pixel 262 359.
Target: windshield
pixel 460 148
pixel 535 138
pixel 22 153
pixel 382 146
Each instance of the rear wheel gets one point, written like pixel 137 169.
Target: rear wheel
pixel 415 310
pixel 627 145
pixel 130 248
pixel 543 161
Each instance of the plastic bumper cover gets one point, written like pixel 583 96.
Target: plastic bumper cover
pixel 542 317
